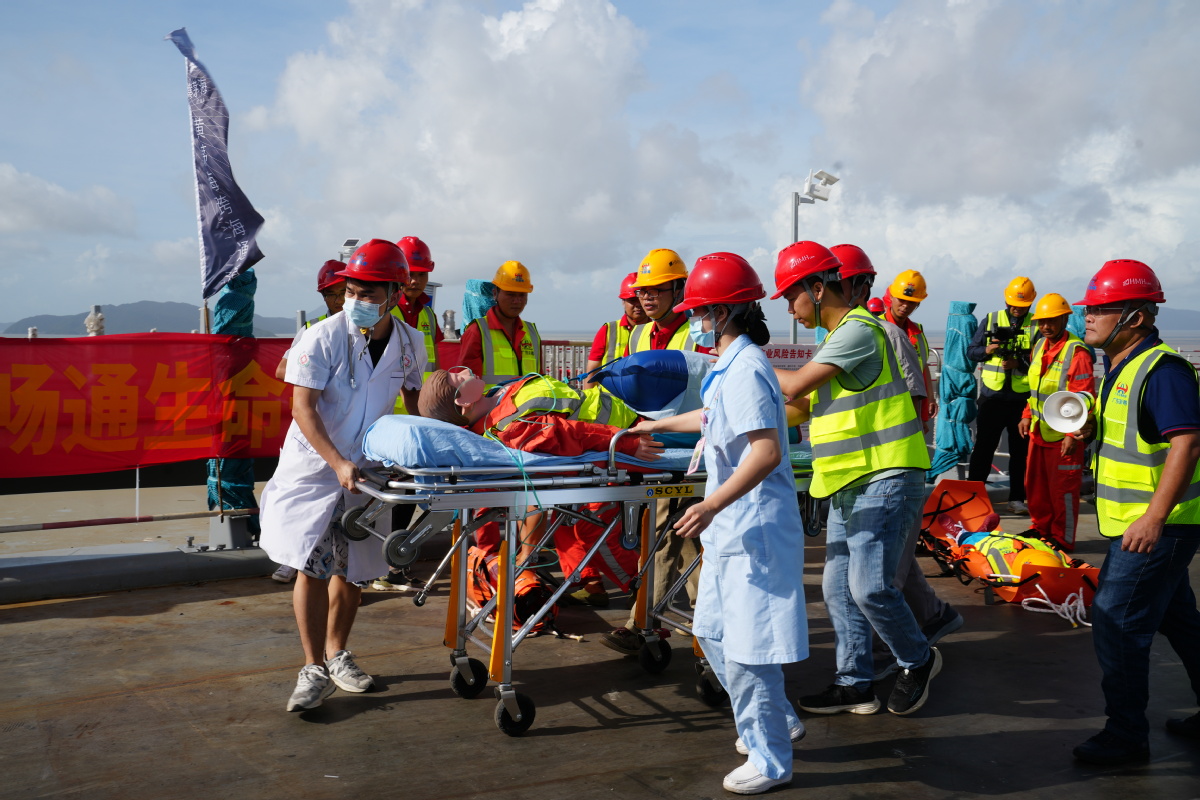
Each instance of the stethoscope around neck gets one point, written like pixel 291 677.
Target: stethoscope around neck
pixel 350 352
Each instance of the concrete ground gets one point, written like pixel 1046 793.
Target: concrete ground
pixel 179 692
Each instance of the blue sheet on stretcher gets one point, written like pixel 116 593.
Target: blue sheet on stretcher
pixel 406 441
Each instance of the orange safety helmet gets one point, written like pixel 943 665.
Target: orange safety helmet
pixel 799 261
pixel 1122 280
pixel 513 276
pixel 627 290
pixel 854 260
pixel 1051 306
pixel 377 260
pixel 658 267
pixel 328 275
pixel 416 253
pixel 1020 292
pixel 909 285
pixel 720 278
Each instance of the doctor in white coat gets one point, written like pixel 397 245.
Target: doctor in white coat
pixel 750 616
pixel 347 371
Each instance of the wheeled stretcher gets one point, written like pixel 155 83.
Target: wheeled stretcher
pixel 507 485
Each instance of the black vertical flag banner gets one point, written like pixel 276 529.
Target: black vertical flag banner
pixel 228 223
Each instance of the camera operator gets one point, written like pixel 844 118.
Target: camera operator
pixel 1003 343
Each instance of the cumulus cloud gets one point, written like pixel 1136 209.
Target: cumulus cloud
pixel 29 204
pixel 493 136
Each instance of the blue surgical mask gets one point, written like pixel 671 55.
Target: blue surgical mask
pixel 701 337
pixel 363 314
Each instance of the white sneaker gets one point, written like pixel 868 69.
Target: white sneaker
pixel 284 574
pixel 313 686
pixel 1018 507
pixel 746 779
pixel 797 733
pixel 346 674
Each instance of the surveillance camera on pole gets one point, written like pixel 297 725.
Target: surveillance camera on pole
pixel 816 187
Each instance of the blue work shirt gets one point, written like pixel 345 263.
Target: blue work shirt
pixel 751 592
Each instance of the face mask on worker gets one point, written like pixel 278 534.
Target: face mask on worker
pixel 364 314
pixel 701 337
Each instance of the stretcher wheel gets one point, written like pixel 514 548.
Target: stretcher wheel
pixel 458 681
pixel 397 552
pixel 509 725
pixel 812 514
pixel 350 524
pixel 711 692
pixel 655 656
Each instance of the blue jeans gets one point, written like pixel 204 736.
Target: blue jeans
pixel 865 536
pixel 1139 594
pixel 761 711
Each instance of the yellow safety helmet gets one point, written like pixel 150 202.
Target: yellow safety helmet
pixel 909 285
pixel 660 266
pixel 513 276
pixel 1051 306
pixel 1020 292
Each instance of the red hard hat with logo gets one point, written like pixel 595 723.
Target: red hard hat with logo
pixel 799 261
pixel 377 260
pixel 1121 280
pixel 721 278
pixel 416 254
pixel 854 260
pixel 875 305
pixel 627 290
pixel 328 276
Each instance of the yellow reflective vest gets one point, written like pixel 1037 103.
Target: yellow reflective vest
pixel 642 337
pixel 1054 379
pixel 1128 468
pixel 427 325
pixel 541 395
pixel 858 432
pixel 500 363
pixel 616 340
pixel 993 368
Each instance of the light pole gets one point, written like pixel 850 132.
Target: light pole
pixel 816 187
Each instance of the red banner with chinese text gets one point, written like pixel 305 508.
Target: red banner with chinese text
pixel 104 403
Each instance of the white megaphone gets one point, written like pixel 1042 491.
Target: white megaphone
pixel 1066 412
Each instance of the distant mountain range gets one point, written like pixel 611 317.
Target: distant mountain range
pixel 140 317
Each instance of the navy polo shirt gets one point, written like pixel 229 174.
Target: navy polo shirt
pixel 1171 399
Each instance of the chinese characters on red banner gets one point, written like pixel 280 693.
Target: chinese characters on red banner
pixel 76 406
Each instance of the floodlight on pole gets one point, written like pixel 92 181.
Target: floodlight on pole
pixel 816 187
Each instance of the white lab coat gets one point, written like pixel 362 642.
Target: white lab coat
pixel 298 502
pixel 751 592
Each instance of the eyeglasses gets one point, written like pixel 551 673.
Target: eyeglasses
pixel 1100 311
pixel 652 292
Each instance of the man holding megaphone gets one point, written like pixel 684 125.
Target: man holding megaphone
pixel 1147 424
pixel 1054 468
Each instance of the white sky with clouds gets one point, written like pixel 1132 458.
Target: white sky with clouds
pixel 975 141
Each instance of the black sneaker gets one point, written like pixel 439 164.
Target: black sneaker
pixel 912 687
pixel 1106 749
pixel 1188 727
pixel 398 582
pixel 945 624
pixel 837 698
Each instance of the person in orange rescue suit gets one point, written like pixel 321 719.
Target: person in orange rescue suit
pixel 903 298
pixel 1054 470
pixel 500 346
pixel 659 286
pixel 415 309
pixel 612 340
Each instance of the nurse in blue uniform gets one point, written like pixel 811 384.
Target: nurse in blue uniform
pixel 750 615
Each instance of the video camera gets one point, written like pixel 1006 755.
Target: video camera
pixel 1010 348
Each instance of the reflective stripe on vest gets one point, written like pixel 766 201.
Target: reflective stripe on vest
pixel 857 432
pixel 641 338
pixel 541 395
pixel 1128 468
pixel 311 322
pixel 1054 379
pixel 616 340
pixel 500 363
pixel 993 369
pixel 427 325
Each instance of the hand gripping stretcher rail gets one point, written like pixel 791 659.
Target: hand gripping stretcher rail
pixel 446 496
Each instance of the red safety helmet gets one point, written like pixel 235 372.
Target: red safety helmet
pixel 799 261
pixel 1121 280
pixel 721 278
pixel 377 260
pixel 875 305
pixel 854 260
pixel 627 290
pixel 328 276
pixel 416 254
